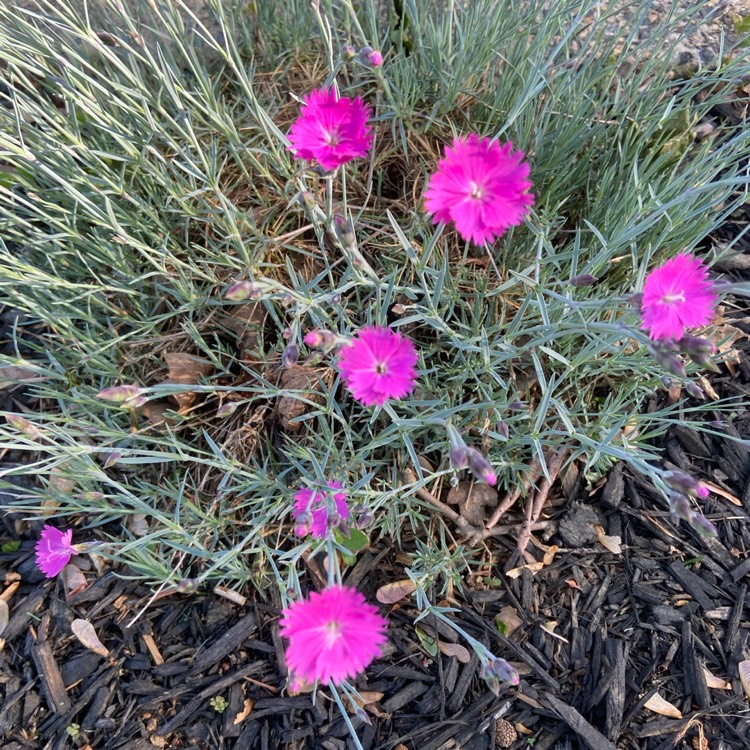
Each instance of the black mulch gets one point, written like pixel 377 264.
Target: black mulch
pixel 598 634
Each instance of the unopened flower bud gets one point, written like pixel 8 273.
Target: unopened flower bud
pixel 693 345
pixel 320 339
pixel 307 200
pixel 89 497
pixel 289 356
pixel 703 526
pixel 516 406
pixel 695 391
pixel 699 350
pixel 242 290
pixel 302 526
pixel 505 672
pixel 502 429
pixel 369 56
pixel 125 395
pixel 226 409
pixel 364 519
pixel 679 506
pixel 635 299
pixel 684 483
pixel 480 467
pixel 187 585
pixel 348 52
pixel 666 382
pixel 499 671
pixel 459 456
pixel 585 279
pixel 398 309
pixel 23 425
pixel 344 231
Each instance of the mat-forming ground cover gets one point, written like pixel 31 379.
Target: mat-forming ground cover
pixel 245 342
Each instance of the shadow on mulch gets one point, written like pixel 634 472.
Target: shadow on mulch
pixel 597 636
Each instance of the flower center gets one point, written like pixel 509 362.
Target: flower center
pixel 381 368
pixel 670 299
pixel 332 137
pixel 332 632
pixel 476 191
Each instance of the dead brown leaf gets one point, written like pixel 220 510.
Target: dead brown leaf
pixel 724 337
pixel 663 707
pixel 311 382
pixel 534 567
pixel 713 681
pixel 74 580
pixel 185 369
pixel 744 669
pixel 549 555
pixel 84 631
pixel 13 374
pixel 247 709
pixel 138 524
pixel 157 412
pixel 721 492
pixel 472 499
pixel 4 615
pixel 396 591
pixel 611 543
pixel 246 323
pixel 368 700
pixel 455 649
pixel 508 616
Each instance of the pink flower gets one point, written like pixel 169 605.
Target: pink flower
pixel 333 635
pixel 677 295
pixel 481 186
pixel 54 550
pixel 329 130
pixel 377 365
pixel 311 509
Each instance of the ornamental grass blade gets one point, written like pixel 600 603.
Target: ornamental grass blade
pixel 84 631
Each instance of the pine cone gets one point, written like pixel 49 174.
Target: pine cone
pixel 505 733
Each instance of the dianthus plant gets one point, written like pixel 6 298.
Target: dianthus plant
pixel 281 287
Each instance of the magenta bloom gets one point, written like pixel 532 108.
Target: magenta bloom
pixel 378 365
pixel 481 186
pixel 333 635
pixel 331 131
pixel 311 509
pixel 54 550
pixel 677 295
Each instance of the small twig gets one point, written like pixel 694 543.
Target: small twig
pixel 534 507
pixel 463 526
pixel 511 527
pixel 531 477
